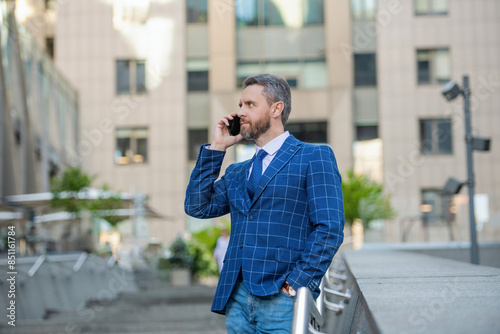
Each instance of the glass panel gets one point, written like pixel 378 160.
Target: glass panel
pixel 313 12
pixel 197 81
pixel 370 9
pixel 310 132
pixel 422 7
pixel 197 11
pixel 366 132
pixel 122 77
pixel 140 77
pixel 197 65
pixel 357 9
pixel 365 70
pixel 273 13
pixel 363 9
pixel 246 13
pixel 123 133
pixel 314 75
pixel 423 67
pixel 141 156
pixel 440 6
pixel 444 136
pixel 122 148
pixel 441 64
pixel 426 137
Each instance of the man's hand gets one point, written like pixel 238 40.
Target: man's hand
pixel 221 139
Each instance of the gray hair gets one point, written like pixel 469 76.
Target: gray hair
pixel 275 89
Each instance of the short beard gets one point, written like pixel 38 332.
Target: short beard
pixel 255 131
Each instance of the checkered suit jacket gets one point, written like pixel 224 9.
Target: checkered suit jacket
pixel 289 231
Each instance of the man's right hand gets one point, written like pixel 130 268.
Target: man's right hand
pixel 221 138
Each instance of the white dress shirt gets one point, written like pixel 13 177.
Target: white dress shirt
pixel 271 148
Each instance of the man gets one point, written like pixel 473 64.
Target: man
pixel 221 248
pixel 286 210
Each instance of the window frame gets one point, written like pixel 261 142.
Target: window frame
pixel 133 86
pixel 302 126
pixel 432 70
pixel 368 80
pixel 434 140
pixel 133 146
pixel 431 11
pixel 261 18
pixel 195 11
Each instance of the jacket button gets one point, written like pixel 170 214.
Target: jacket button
pixel 241 245
pixel 250 217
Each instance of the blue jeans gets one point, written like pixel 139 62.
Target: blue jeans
pixel 246 313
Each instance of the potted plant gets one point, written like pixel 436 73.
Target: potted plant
pixel 180 263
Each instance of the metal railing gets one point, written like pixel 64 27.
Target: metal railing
pixel 308 316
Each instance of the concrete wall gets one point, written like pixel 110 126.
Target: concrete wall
pixel 405 292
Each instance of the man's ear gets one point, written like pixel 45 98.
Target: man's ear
pixel 278 109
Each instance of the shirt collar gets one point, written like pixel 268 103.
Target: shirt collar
pixel 274 145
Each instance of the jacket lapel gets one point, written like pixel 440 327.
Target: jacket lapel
pixel 289 148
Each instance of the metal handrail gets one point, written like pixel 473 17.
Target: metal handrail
pixel 38 263
pixel 80 261
pixel 304 310
pixel 347 295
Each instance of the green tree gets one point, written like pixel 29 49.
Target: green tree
pixel 69 194
pixel 364 199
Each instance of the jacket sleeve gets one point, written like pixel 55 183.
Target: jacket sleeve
pixel 206 197
pixel 326 214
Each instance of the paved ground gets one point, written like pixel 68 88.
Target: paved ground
pixel 160 309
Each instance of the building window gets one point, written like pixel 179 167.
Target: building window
pixel 365 69
pixel 436 136
pixel 126 12
pixel 304 74
pixel 196 11
pixel 436 206
pixel 130 76
pixel 309 132
pixel 197 75
pixel 433 66
pixel 313 12
pixel 50 4
pixel 279 13
pixel 366 132
pixel 49 46
pixel 431 7
pixel 363 9
pixel 131 146
pixel 196 138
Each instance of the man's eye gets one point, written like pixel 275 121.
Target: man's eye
pixel 251 104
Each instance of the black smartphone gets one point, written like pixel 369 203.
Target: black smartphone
pixel 234 126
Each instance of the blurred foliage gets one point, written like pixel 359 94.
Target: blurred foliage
pixel 204 242
pixel 180 257
pixel 73 182
pixel 203 262
pixel 196 254
pixel 364 199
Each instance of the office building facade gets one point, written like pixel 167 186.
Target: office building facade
pixel 154 76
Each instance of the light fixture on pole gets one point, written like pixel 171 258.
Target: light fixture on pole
pixel 450 91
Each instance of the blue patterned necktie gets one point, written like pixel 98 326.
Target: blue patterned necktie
pixel 253 181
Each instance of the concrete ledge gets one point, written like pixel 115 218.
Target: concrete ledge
pixel 404 292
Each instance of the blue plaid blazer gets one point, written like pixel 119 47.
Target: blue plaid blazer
pixel 290 230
